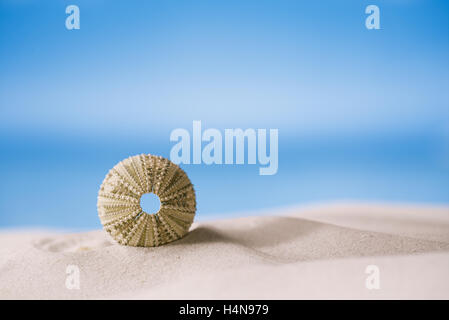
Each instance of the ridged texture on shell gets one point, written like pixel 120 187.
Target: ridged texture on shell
pixel 119 201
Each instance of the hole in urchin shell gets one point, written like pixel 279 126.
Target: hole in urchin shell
pixel 150 203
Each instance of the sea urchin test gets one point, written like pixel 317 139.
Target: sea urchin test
pixel 119 201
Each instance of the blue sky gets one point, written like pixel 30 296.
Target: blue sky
pixel 298 65
pixel 136 70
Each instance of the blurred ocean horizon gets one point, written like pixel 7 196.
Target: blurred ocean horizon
pixel 53 181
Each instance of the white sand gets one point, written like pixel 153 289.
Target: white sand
pixel 317 252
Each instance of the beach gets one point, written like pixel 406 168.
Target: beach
pixel 329 251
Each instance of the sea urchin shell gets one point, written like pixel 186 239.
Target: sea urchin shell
pixel 119 201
